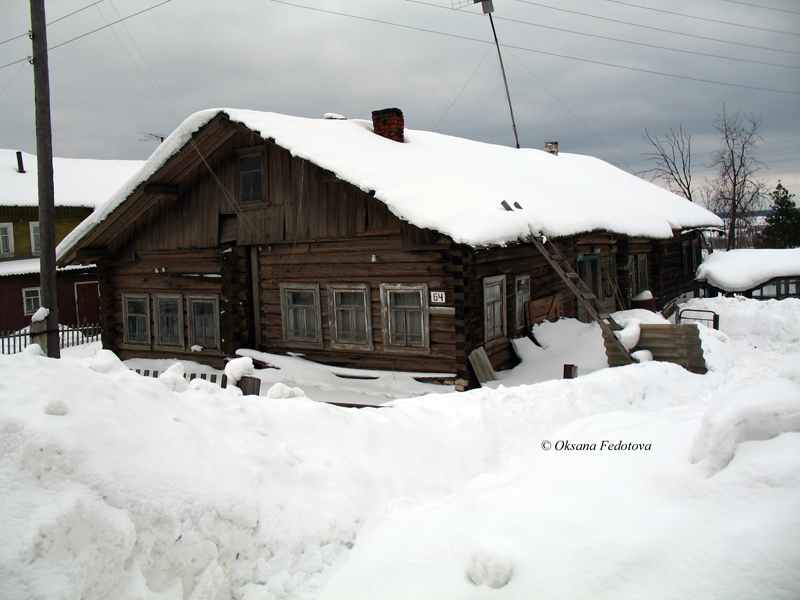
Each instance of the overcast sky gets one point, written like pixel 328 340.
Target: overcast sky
pixel 590 74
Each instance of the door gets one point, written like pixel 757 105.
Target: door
pixel 87 297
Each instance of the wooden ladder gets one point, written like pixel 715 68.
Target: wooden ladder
pixel 584 295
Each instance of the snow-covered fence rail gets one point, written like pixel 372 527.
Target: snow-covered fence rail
pixel 695 315
pixel 221 378
pixel 12 342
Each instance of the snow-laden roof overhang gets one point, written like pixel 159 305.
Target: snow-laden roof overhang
pixel 77 182
pixel 453 185
pixel 742 270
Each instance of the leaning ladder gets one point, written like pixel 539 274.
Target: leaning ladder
pixel 582 292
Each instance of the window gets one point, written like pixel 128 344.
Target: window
pixel 136 316
pixel 641 272
pixel 349 315
pixel 203 325
pixel 686 256
pixel 631 269
pixel 523 296
pixel 251 188
pixel 405 317
pixel 494 307
pixel 36 247
pixel 31 299
pixel 169 320
pixel 6 239
pixel 301 314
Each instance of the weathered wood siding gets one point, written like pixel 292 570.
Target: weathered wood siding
pixel 209 272
pixel 366 259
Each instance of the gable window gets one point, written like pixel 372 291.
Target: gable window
pixel 203 323
pixel 523 296
pixel 251 186
pixel 301 313
pixel 349 314
pixel 405 316
pixel 6 240
pixel 494 307
pixel 31 300
pixel 169 319
pixel 136 316
pixel 641 272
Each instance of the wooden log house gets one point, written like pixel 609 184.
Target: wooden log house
pixel 255 230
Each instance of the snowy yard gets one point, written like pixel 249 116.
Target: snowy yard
pixel 635 482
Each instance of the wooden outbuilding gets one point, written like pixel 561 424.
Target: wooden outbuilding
pixel 406 250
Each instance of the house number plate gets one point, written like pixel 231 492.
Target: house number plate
pixel 437 298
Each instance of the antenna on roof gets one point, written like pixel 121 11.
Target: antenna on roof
pixel 152 137
pixel 488 9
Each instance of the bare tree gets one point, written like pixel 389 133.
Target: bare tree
pixel 672 156
pixel 736 193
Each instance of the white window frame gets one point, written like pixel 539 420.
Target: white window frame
pixel 190 300
pixel 316 342
pixel 36 238
pixel 495 332
pixel 157 300
pixel 126 332
pixel 521 300
pixel 333 316
pixel 7 230
pixel 389 341
pixel 27 311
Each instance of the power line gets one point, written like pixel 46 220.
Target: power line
pixel 677 14
pixel 92 31
pixel 691 35
pixel 607 38
pixel 793 12
pixel 75 12
pixel 592 133
pixel 586 60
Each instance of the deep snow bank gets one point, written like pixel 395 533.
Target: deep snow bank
pixel 125 487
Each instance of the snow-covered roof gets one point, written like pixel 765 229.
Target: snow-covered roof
pixel 454 185
pixel 741 270
pixel 28 266
pixel 78 182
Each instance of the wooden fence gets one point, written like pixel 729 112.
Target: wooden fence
pixel 679 344
pixel 16 341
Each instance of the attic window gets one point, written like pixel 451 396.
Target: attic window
pixel 251 187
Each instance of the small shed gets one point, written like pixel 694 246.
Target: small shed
pixel 755 273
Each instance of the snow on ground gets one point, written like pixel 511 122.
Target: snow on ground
pixel 632 482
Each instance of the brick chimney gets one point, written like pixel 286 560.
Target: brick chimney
pixel 388 123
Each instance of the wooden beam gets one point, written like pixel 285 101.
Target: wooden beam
pixel 159 189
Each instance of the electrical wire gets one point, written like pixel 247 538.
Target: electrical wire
pixel 462 90
pixel 682 33
pixel 75 12
pixel 707 20
pixel 786 10
pixel 612 39
pixel 553 54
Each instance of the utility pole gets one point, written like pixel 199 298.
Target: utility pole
pixel 44 153
pixel 488 9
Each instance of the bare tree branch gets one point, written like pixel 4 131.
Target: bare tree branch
pixel 672 156
pixel 736 193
